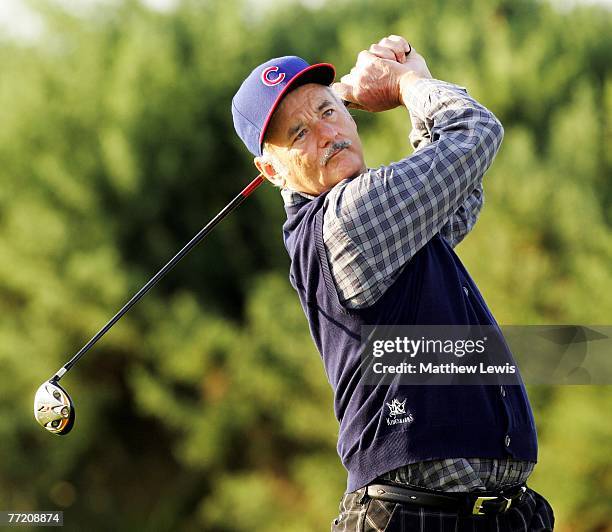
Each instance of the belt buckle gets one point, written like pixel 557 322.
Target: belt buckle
pixel 476 509
pixel 509 501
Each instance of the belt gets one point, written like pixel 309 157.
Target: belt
pixel 474 503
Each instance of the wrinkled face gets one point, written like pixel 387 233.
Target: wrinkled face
pixel 315 140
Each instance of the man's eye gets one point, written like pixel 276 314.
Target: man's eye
pixel 328 112
pixel 300 135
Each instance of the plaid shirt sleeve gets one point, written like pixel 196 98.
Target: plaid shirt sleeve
pixel 375 222
pixel 464 219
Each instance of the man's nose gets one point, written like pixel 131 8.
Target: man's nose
pixel 327 133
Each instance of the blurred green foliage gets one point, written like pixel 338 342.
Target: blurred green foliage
pixel 207 407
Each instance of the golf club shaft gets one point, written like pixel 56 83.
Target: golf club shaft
pixel 173 262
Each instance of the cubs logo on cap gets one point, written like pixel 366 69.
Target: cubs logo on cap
pixel 265 76
pixel 262 91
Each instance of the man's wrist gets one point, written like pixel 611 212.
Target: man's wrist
pixel 407 80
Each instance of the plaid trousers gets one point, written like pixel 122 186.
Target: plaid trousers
pixel 363 514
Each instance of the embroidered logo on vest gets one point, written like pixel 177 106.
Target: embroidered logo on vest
pixel 398 409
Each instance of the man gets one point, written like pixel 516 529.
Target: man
pixel 375 246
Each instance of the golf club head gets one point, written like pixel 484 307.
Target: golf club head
pixel 53 408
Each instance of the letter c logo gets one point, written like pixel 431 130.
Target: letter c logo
pixel 265 76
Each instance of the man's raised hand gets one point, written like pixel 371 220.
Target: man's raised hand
pixel 381 73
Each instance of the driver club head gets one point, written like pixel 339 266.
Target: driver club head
pixel 53 408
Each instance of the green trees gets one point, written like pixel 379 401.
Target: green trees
pixel 209 398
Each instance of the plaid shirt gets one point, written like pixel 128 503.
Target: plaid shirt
pixel 374 223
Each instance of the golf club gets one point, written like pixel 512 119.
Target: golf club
pixel 53 407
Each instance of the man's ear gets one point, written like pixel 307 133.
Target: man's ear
pixel 266 169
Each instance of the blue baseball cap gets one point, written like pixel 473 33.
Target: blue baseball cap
pixel 263 90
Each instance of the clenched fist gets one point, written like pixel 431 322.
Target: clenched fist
pixel 381 74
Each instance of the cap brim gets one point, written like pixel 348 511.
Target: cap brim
pixel 322 73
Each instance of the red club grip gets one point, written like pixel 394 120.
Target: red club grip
pixel 253 185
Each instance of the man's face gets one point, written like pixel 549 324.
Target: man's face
pixel 315 139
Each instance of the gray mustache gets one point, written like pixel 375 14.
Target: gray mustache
pixel 333 149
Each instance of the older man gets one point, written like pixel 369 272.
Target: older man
pixel 375 246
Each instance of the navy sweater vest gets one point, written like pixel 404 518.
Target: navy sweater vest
pixel 444 421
